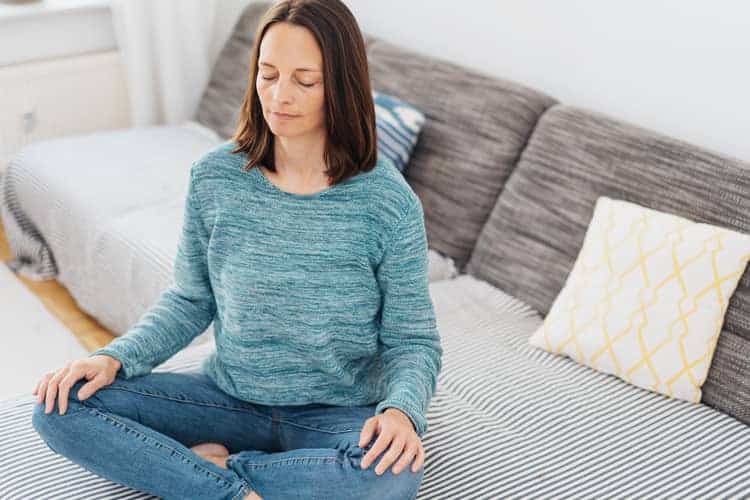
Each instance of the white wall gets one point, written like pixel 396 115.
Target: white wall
pixel 681 67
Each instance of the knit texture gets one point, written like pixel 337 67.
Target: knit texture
pixel 315 298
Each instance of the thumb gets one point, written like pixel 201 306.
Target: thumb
pixel 92 386
pixel 366 435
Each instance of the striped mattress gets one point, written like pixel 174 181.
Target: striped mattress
pixel 507 420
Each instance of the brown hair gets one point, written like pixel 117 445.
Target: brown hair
pixel 351 144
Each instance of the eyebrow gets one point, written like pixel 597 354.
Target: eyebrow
pixel 298 69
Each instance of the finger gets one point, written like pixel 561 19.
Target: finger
pixel 381 443
pixel 406 457
pixel 43 387
pixel 52 390
pixel 366 435
pixel 419 460
pixel 64 389
pixel 36 386
pixel 394 451
pixel 91 386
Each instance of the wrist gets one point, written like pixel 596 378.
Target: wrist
pixel 116 363
pixel 402 413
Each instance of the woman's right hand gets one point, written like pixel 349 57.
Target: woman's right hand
pixel 99 370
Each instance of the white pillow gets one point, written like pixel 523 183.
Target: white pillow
pixel 440 267
pixel 646 298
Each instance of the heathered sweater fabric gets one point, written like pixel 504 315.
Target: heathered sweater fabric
pixel 315 298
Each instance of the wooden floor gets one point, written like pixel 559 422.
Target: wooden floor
pixel 60 303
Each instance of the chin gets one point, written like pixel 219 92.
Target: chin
pixel 284 132
pixel 287 131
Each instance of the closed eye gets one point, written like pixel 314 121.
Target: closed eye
pixel 303 84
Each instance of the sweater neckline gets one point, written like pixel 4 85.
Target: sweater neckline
pixel 269 186
pixel 276 189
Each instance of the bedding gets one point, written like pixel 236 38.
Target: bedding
pixel 507 419
pixel 97 212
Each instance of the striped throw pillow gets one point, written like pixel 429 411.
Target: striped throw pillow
pixel 398 125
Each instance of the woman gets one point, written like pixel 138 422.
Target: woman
pixel 310 256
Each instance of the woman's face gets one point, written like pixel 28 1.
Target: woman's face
pixel 290 80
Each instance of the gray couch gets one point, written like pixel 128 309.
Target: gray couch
pixel 508 177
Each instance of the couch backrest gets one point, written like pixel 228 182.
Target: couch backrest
pixel 475 130
pixel 219 107
pixel 476 127
pixel 536 229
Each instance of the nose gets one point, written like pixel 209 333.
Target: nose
pixel 282 91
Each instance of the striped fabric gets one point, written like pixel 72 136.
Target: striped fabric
pixel 507 419
pixel 398 125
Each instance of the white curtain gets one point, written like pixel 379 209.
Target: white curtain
pixel 166 47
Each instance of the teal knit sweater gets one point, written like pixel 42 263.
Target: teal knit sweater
pixel 318 298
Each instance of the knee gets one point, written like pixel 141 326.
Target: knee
pixel 48 424
pixel 54 429
pixel 403 485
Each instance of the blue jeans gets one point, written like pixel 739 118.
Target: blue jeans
pixel 138 433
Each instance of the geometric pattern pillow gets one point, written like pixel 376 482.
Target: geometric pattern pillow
pixel 646 298
pixel 398 124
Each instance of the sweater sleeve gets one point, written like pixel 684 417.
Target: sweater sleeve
pixel 412 354
pixel 183 311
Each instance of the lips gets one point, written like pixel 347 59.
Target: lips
pixel 284 115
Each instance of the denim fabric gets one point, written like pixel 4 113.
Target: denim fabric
pixel 138 432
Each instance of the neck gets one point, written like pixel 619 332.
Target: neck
pixel 300 158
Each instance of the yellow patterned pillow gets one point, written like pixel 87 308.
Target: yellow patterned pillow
pixel 646 298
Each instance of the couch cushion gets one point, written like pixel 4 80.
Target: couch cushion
pixel 476 127
pixel 531 240
pixel 219 107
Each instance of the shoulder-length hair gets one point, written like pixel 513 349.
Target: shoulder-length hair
pixel 351 144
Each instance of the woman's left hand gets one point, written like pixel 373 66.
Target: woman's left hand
pixel 397 433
